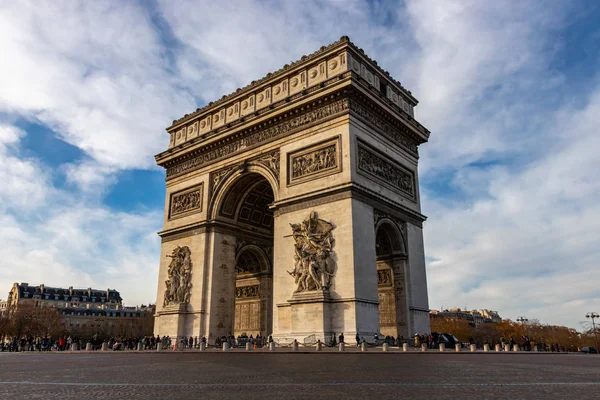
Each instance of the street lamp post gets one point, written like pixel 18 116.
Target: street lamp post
pixel 593 315
pixel 523 320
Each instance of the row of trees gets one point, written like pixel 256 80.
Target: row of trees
pixel 492 333
pixel 29 321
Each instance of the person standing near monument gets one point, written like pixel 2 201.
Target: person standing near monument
pixel 357 339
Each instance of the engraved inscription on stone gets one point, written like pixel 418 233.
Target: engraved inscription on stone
pixel 378 166
pixel 315 161
pixel 186 202
pixel 387 308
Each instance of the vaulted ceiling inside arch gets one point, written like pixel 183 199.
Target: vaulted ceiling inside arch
pixel 248 202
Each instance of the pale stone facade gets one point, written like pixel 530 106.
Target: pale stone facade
pixel 293 207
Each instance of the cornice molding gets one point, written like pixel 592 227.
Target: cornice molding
pixel 346 101
pixel 343 42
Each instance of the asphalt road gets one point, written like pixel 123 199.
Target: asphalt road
pixel 298 376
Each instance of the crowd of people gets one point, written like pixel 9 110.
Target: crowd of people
pixel 38 344
pixel 166 342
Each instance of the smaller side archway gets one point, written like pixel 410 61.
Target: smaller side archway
pixel 253 292
pixel 391 279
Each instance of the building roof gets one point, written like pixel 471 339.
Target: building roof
pixel 27 291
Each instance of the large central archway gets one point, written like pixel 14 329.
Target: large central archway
pixel 244 207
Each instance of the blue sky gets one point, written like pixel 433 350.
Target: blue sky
pixel 509 90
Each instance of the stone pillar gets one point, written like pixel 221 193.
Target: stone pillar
pixel 295 345
pixel 226 346
pixel 405 347
pixel 104 346
pixel 423 347
pixel 385 347
pixel 248 346
pixel 88 347
pixel 202 346
pixel 272 346
pixel 342 347
pixel 158 346
pixel 535 348
pixel 473 348
pixel 486 347
pixel 297 314
pixel 363 346
pixel 319 346
pixel 516 347
pixel 507 347
pixel 140 347
pixel 498 348
pixel 442 347
pixel 74 347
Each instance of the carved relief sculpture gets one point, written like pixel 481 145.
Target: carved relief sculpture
pixel 271 161
pixel 179 284
pixel 187 201
pixel 246 292
pixel 377 166
pixel 384 277
pixel 313 266
pixel 313 162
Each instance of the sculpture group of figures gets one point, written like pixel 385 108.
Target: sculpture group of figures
pixel 313 266
pixel 313 162
pixel 180 276
pixel 377 166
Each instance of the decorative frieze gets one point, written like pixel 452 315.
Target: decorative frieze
pixel 212 154
pixel 376 165
pixel 386 129
pixel 187 201
pixel 315 161
pixel 247 292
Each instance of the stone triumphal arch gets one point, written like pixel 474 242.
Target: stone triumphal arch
pixel 293 207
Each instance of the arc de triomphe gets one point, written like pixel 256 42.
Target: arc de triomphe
pixel 293 207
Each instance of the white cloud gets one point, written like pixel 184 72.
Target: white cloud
pixel 94 73
pixel 63 238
